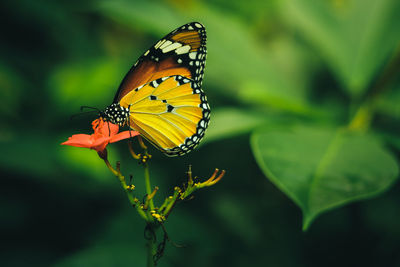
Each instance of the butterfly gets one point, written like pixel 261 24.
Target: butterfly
pixel 161 95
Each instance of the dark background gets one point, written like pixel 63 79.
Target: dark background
pixel 61 206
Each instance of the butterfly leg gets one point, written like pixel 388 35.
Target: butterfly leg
pixel 134 155
pixel 109 131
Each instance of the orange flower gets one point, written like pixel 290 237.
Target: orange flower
pixel 104 133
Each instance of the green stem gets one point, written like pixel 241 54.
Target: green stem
pixel 148 185
pixel 121 179
pixel 170 202
pixel 151 249
pixel 365 113
pixel 363 117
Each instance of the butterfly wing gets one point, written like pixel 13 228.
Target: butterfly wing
pixel 163 91
pixel 181 52
pixel 170 112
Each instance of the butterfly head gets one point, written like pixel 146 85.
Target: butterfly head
pixel 115 114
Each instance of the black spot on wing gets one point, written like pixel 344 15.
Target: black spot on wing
pixel 170 108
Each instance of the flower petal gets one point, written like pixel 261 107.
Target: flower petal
pixel 79 140
pixel 107 128
pixel 104 133
pixel 99 143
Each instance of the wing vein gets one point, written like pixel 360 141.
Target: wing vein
pixel 173 124
pixel 156 130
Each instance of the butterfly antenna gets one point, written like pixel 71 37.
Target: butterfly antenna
pixel 81 113
pixel 87 107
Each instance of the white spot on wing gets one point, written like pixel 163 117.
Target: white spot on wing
pixel 171 47
pixel 159 43
pixel 183 49
pixel 192 55
pixel 165 44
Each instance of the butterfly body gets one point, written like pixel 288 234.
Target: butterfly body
pixel 161 95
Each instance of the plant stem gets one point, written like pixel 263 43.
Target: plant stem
pixel 151 242
pixel 151 247
pixel 121 179
pixel 148 185
pixel 365 113
pixel 363 117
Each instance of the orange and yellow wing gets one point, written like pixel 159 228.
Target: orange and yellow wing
pixel 181 52
pixel 171 112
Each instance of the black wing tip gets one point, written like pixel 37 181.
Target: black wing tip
pixel 195 25
pixel 197 22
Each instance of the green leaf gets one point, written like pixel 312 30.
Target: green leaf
pixel 256 93
pixel 229 122
pixel 355 37
pixel 320 169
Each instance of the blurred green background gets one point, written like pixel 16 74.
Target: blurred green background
pixel 305 118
